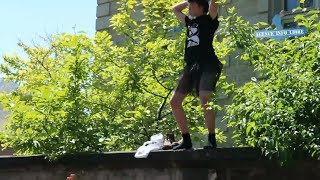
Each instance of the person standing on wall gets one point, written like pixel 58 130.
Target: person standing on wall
pixel 203 68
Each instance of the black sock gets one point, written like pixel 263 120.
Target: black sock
pixel 211 136
pixel 186 137
pixel 186 142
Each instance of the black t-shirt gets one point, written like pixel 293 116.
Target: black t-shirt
pixel 198 47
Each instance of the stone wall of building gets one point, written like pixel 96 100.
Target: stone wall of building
pixel 105 10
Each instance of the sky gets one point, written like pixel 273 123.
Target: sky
pixel 26 20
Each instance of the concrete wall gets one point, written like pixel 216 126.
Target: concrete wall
pixel 219 164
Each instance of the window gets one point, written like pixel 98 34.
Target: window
pixel 291 4
pixel 276 6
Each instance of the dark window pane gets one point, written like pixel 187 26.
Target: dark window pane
pixel 308 3
pixel 290 25
pixel 291 4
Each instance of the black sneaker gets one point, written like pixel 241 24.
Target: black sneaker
pixel 183 146
pixel 185 143
pixel 174 144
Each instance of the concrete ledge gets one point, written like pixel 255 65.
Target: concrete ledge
pixel 220 157
pixel 216 164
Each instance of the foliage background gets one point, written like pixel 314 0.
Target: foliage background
pixel 82 94
pixel 278 111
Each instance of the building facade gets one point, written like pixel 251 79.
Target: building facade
pixel 252 10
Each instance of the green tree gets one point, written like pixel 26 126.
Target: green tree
pixel 81 94
pixel 54 110
pixel 278 111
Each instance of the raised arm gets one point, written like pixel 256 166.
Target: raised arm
pixel 213 9
pixel 177 9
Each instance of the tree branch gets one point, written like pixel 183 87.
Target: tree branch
pixel 162 105
pixel 154 75
pixel 152 92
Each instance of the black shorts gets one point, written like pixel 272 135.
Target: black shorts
pixel 199 79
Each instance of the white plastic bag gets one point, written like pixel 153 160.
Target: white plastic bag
pixel 155 143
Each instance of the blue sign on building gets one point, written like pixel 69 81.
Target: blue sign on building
pixel 285 33
pixel 280 33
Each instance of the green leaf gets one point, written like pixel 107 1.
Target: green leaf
pixel 250 126
pixel 300 17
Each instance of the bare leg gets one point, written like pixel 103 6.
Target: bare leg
pixel 178 112
pixel 180 116
pixel 209 115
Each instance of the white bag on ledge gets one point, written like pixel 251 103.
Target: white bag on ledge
pixel 155 143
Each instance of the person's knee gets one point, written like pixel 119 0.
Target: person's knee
pixel 204 100
pixel 204 97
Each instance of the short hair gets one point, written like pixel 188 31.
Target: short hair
pixel 203 3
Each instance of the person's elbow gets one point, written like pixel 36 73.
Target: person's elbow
pixel 213 11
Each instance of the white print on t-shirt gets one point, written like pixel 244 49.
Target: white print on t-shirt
pixel 193 39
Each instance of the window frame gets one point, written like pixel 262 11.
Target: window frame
pixel 275 7
pixel 301 5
